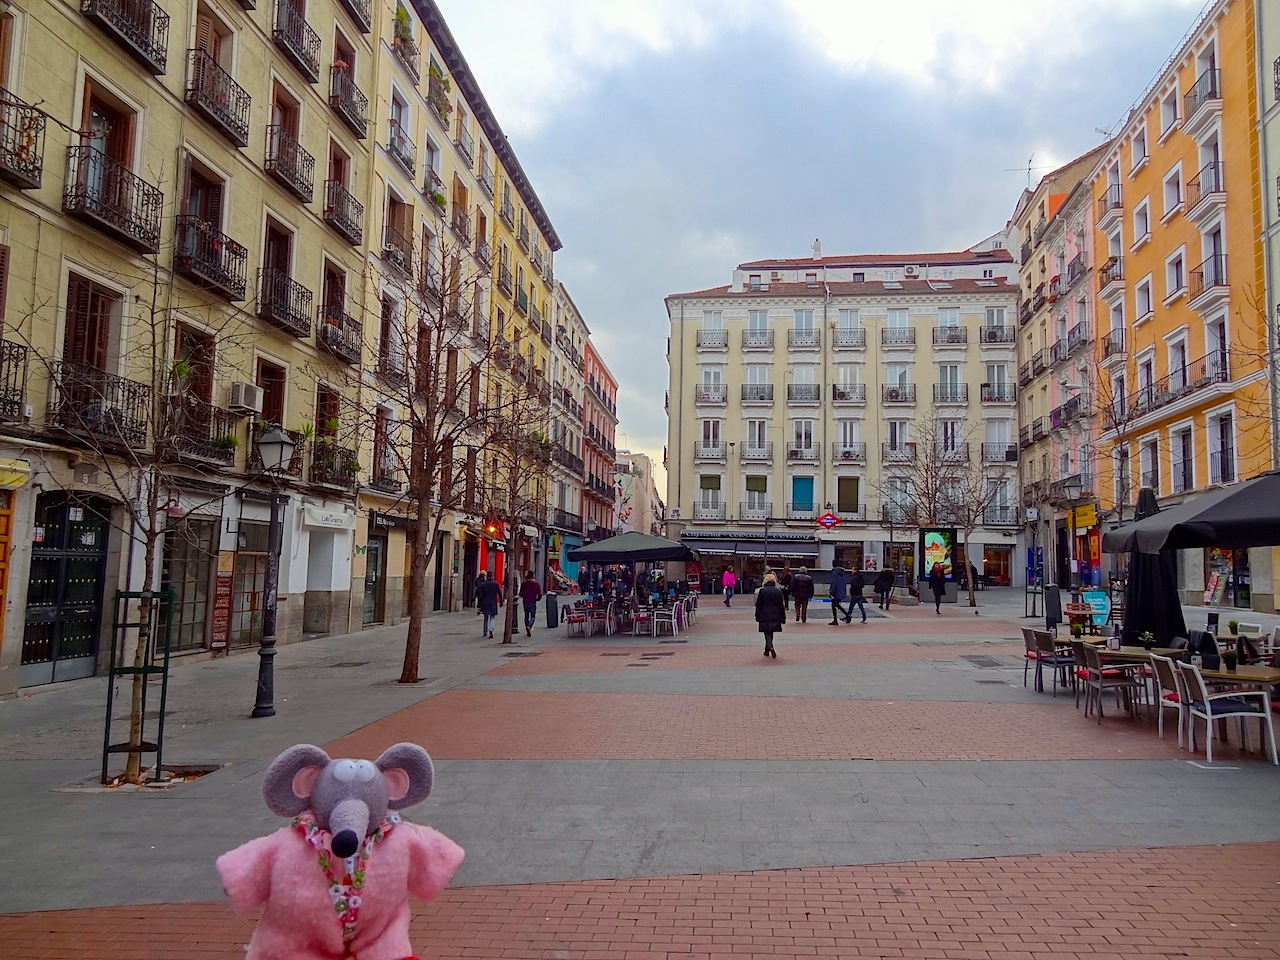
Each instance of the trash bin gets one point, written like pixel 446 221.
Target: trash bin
pixel 553 609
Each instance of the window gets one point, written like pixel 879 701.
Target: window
pixel 1138 151
pixel 951 434
pixel 757 373
pixel 757 433
pixel 847 495
pixel 390 338
pixel 850 432
pixel 988 274
pixel 897 319
pixel 709 490
pixel 802 494
pixel 1168 112
pixel 897 374
pixel 712 320
pixel 757 321
pixel 847 373
pixel 898 433
pixel 848 320
pixel 1182 460
pixel 92 312
pixel 804 373
pixel 1172 191
pixel 995 316
pixel 711 432
pixel 1222 455
pixel 811 279
pixel 1142 300
pixel 859 278
pixel 272 378
pixel 804 321
pixel 948 316
pixel 1177 365
pixel 753 281
pixel 110 127
pixel 1142 222
pixel 1120 475
pixel 997 374
pixel 757 493
pixel 802 434
pixel 1149 462
pixel 1175 274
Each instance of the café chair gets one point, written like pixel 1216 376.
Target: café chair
pixel 1171 693
pixel 578 621
pixel 1241 704
pixel 1031 656
pixel 1098 681
pixel 1048 654
pixel 1211 622
pixel 665 618
pixel 1249 629
pixel 1247 651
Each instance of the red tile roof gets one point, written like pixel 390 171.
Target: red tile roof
pixel 869 288
pixel 881 259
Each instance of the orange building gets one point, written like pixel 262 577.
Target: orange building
pixel 1182 397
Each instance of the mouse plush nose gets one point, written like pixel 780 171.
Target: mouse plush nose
pixel 346 843
pixel 349 822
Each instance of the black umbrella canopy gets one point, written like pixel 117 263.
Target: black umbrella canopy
pixel 1151 601
pixel 631 547
pixel 1244 515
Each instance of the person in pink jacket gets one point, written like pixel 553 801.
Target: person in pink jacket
pixel 336 882
pixel 729 583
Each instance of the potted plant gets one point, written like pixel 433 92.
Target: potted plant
pixel 1229 658
pixel 440 200
pixel 228 442
pixel 1077 630
pixel 404 25
pixel 1147 639
pixel 1233 626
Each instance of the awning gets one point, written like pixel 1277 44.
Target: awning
pixel 713 548
pixel 783 548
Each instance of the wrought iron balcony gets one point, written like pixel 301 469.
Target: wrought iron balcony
pixel 950 393
pixel 709 451
pixel 710 393
pixel 91 403
pixel 406 51
pixel 945 452
pixel 897 453
pixel 999 452
pixel 140 27
pixel 1110 203
pixel 899 514
pixel 340 333
pixel 712 340
pixel 1207 88
pixel 343 212
pixel 757 339
pixel 202 431
pixel 522 236
pixel 950 336
pixel 756 452
pixel 522 300
pixel 1024 374
pixel 998 393
pixel 708 511
pixel 804 510
pixel 1078 336
pixel 13 380
pixel 465 143
pixel 1211 274
pixel 291 469
pixel 1039 363
pixel 292 166
pixel 21 142
pixel 507 213
pixel 897 336
pixel 1038 298
pixel 386 476
pixel 1038 234
pixel 849 392
pixel 461 223
pixel 505 283
pixel 1001 515
pixel 107 194
pixel 397 250
pixel 1222 465
pixel 429 280
pixel 1113 346
pixel 218 98
pixel 486 179
pixel 361 12
pixel 204 254
pixel 1024 437
pixel 391 367
pixel 1024 253
pixel 566 520
pixel 804 392
pixel 1058 351
pixel 1024 311
pixel 758 511
pixel 332 465
pixel 996 334
pixel 804 339
pixel 1038 431
pixel 294 36
pixel 348 102
pixel 898 393
pixel 401 147
pixel 849 452
pixel 802 452
pixel 438 101
pixel 849 338
pixel 284 302
pixel 1207 186
pixel 1076 268
pixel 484 254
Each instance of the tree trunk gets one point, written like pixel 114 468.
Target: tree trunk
pixel 133 765
pixel 418 562
pixel 511 594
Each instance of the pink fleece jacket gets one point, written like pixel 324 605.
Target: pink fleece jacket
pixel 299 922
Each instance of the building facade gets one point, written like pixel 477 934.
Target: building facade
pixel 1267 70
pixel 566 527
pixel 1184 402
pixel 639 507
pixel 797 389
pixel 599 429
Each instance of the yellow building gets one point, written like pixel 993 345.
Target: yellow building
pixel 172 262
pixel 1182 398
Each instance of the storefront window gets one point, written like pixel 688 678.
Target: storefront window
pixel 901 558
pixel 1227 581
pixel 849 555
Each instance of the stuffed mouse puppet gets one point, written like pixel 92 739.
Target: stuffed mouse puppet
pixel 336 882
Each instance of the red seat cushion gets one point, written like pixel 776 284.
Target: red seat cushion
pixel 1108 673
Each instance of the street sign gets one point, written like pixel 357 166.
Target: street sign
pixel 827 521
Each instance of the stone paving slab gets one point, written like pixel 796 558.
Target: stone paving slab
pixel 1206 903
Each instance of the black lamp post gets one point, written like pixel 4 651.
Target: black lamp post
pixel 1071 490
pixel 275 450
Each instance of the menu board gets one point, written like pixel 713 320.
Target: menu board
pixel 220 636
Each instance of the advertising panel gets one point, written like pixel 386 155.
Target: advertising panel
pixel 937 545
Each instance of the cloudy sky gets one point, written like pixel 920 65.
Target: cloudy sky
pixel 671 139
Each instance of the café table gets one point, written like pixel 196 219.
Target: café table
pixel 1138 654
pixel 1245 674
pixel 1082 614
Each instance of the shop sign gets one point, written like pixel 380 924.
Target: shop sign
pixel 1085 516
pixel 220 638
pixel 328 519
pixel 389 521
pixel 827 520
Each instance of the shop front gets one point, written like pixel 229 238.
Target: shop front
pixel 1227 578
pixel 900 557
pixel 997 566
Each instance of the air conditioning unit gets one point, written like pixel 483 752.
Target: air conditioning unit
pixel 674 513
pixel 793 454
pixel 846 455
pixel 246 398
pixel 910 271
pixel 1011 455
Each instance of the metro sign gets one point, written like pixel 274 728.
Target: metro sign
pixel 827 521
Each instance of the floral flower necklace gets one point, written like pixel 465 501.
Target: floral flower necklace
pixel 344 885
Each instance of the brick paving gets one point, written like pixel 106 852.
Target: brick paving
pixel 1195 902
pixel 521 725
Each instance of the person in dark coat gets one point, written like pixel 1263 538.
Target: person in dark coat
pixel 530 594
pixel 802 591
pixel 856 585
pixel 488 597
pixel 884 588
pixel 784 584
pixel 839 590
pixel 938 584
pixel 771 612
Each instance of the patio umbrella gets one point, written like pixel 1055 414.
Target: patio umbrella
pixel 1235 517
pixel 1151 601
pixel 631 547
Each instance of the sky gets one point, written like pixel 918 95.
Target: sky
pixel 670 140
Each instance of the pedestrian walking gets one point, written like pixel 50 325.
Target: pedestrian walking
pixel 938 584
pixel 884 588
pixel 530 594
pixel 729 583
pixel 488 598
pixel 839 591
pixel 856 585
pixel 771 612
pixel 802 591
pixel 785 583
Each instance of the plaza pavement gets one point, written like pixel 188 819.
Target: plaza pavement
pixel 880 790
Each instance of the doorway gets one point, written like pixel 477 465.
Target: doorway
pixel 437 596
pixel 64 592
pixel 470 563
pixel 375 580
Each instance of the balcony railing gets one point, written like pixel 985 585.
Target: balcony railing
pixel 1001 515
pixel 802 452
pixel 293 468
pixel 709 451
pixel 849 452
pixel 1024 374
pixel 139 26
pixel 804 339
pixel 294 36
pixel 804 392
pixel 401 147
pixel 505 283
pixel 1024 437
pixel 708 511
pixel 757 452
pixel 950 393
pixel 1151 479
pixel 465 143
pixel 218 98
pixel 565 520
pixel 1180 476
pixel 522 236
pixel 391 366
pixel 340 333
pixel 522 300
pixel 997 334
pixel 897 453
pixel 849 392
pixel 209 257
pixel 484 254
pixel 1024 252
pixel 757 339
pixel 1207 183
pixel 710 393
pixel 89 402
pixel 1039 363
pixel 1024 311
pixel 1058 351
pixel 343 212
pixel 1211 273
pixel 397 250
pixel 507 212
pixel 203 431
pixel 1078 336
pixel 898 393
pixel 946 452
pixel 1038 429
pixel 1207 87
pixel 898 336
pixel 712 339
pixel 486 179
pixel 406 51
pixel 105 193
pixel 21 142
pixel 461 223
pixel 333 466
pixel 1110 201
pixel 802 510
pixel 999 393
pixel 757 393
pixel 292 166
pixel 1038 298
pixel 999 451
pixel 1113 346
pixel 950 336
pixel 760 510
pixel 284 302
pixel 13 380
pixel 899 513
pixel 347 100
pixel 1076 268
pixel 1222 465
pixel 849 338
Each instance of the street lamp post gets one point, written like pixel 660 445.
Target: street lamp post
pixel 275 449
pixel 1071 493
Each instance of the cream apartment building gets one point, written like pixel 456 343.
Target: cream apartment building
pixel 795 390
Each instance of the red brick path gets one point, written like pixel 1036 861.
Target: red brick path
pixel 1209 903
pixel 520 725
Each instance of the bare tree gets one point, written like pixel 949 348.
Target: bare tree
pixel 1116 413
pixel 974 486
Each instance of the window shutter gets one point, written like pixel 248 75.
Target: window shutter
pixel 4 281
pixel 214 214
pixel 76 335
pixel 206 38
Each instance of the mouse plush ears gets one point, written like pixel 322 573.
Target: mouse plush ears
pixel 287 784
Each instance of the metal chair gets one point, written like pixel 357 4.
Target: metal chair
pixel 1048 653
pixel 665 617
pixel 578 621
pixel 1031 656
pixel 1242 704
pixel 1098 681
pixel 1171 693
